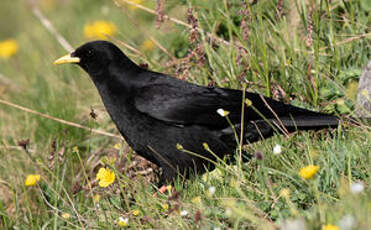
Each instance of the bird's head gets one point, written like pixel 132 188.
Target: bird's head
pixel 97 57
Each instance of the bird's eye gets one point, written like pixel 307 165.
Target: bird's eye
pixel 89 53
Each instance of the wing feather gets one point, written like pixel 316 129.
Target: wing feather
pixel 189 104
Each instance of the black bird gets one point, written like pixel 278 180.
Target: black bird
pixel 157 113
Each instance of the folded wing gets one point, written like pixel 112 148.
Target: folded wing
pixel 191 104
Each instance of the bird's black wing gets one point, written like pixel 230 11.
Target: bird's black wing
pixel 179 102
pixel 188 104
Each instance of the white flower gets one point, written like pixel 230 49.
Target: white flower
pixel 217 228
pixel 347 222
pixel 277 149
pixel 123 221
pixel 212 190
pixel 222 112
pixel 295 224
pixel 357 187
pixel 184 213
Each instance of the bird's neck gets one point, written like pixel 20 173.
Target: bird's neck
pixel 117 100
pixel 114 93
pixel 117 93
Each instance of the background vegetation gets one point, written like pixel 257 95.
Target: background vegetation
pixel 309 53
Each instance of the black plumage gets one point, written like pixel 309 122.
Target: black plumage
pixel 155 112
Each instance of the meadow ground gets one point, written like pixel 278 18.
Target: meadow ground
pixel 308 53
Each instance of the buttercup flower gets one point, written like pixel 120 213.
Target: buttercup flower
pixel 308 171
pixel 147 45
pixel 330 227
pixel 8 48
pixel 136 212
pixel 117 146
pixel 32 179
pixel 99 29
pixel 105 177
pixel 165 207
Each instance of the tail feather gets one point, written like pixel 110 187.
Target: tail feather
pixel 287 114
pixel 262 129
pixel 311 121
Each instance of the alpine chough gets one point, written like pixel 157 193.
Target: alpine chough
pixel 167 120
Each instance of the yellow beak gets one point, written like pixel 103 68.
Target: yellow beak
pixel 67 59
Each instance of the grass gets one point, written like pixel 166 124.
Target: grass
pixel 269 55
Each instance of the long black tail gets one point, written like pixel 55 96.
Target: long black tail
pixel 310 120
pixel 303 120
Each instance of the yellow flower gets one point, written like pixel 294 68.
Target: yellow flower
pixel 8 48
pixel 147 45
pixel 99 29
pixel 66 215
pixel 117 146
pixel 330 227
pixel 32 179
pixel 165 207
pixel 105 177
pixel 308 171
pixel 75 149
pixel 136 212
pixel 169 187
pixel 196 200
pixel 123 222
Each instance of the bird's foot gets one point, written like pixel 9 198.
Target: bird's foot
pixel 162 190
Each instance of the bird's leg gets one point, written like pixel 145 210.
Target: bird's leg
pixel 162 190
pixel 166 177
